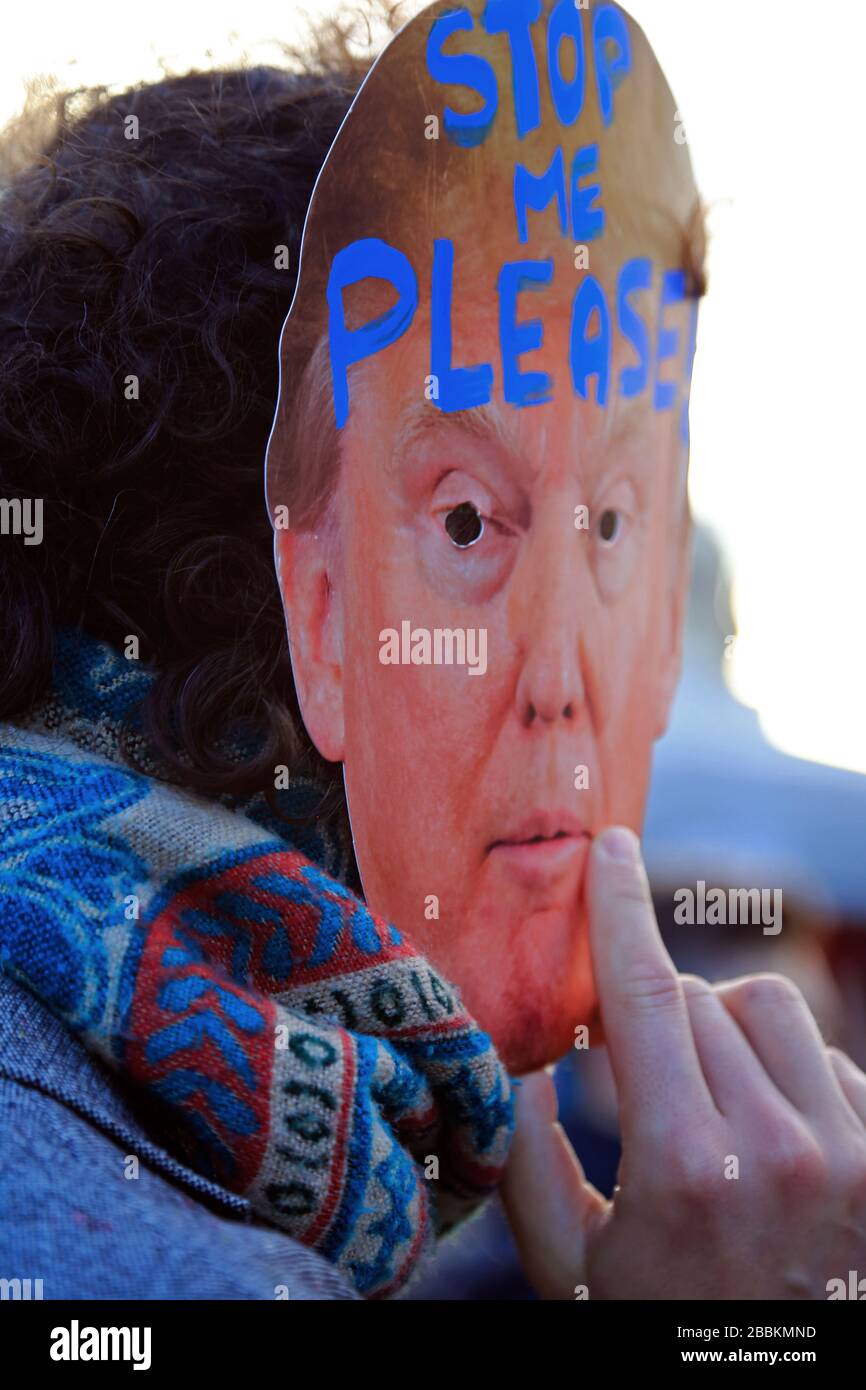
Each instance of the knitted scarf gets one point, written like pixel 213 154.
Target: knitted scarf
pixel 297 1049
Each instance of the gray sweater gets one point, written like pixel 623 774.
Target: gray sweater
pixel 76 1211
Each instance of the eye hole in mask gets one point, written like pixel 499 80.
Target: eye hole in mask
pixel 464 525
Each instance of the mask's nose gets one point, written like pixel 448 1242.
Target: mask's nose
pixel 550 688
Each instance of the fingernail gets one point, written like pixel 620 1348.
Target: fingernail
pixel 620 843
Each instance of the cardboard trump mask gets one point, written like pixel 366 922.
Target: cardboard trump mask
pixel 476 477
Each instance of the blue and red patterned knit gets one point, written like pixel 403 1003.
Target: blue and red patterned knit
pixel 297 1049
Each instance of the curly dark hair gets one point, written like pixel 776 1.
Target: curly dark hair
pixel 157 258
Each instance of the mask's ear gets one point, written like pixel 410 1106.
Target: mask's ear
pixel 677 605
pixel 314 621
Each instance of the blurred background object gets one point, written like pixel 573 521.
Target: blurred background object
pixel 724 799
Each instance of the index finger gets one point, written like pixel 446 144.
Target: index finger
pixel 643 1007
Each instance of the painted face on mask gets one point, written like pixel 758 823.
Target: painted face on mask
pixel 484 583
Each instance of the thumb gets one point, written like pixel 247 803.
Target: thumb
pixel 547 1199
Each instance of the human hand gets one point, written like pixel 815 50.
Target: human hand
pixel 704 1075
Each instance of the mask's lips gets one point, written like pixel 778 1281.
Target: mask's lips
pixel 541 828
pixel 541 849
pixel 533 840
